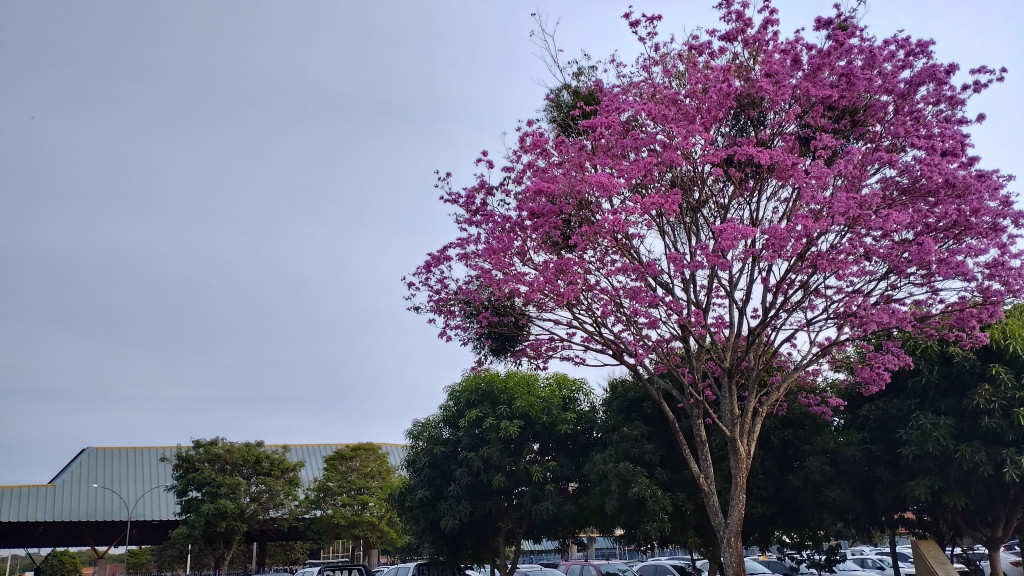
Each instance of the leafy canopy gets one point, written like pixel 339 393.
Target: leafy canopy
pixel 226 490
pixel 501 461
pixel 351 499
pixel 60 563
pixel 955 422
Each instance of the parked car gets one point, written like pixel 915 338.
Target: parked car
pixel 848 569
pixel 538 571
pixel 752 568
pixel 594 568
pixel 667 568
pixel 333 568
pixel 1012 565
pixel 424 569
pixel 780 567
pixel 859 551
pixel 880 565
pixel 905 557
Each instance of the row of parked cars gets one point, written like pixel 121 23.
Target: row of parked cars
pixel 860 561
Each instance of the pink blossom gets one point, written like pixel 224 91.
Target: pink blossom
pixel 743 214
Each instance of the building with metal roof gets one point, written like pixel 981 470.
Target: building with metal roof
pixel 89 502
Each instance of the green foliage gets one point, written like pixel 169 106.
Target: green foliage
pixel 288 553
pixel 500 462
pixel 139 560
pixel 643 486
pixel 228 490
pixel 567 106
pixel 86 557
pixel 641 483
pixel 351 499
pixel 60 563
pixel 953 426
pixel 171 555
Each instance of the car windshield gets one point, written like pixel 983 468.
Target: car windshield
pixel 847 567
pixel 615 569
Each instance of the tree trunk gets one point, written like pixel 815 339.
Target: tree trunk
pixel 261 553
pixel 744 428
pixel 892 551
pixel 226 566
pixel 731 534
pixel 995 560
pixel 715 560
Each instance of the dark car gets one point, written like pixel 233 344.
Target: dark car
pixel 779 567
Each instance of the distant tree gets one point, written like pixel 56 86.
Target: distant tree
pixel 736 203
pixel 60 563
pixel 228 491
pixel 351 499
pixel 139 560
pixel 171 554
pixel 499 463
pixel 958 421
pixel 86 557
pixel 289 553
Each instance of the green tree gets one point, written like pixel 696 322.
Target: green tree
pixel 288 553
pixel 351 499
pixel 230 491
pixel 500 462
pixel 642 484
pixel 171 555
pixel 60 563
pixel 139 560
pixel 958 422
pixel 86 557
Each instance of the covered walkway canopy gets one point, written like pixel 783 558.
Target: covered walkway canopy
pixel 69 511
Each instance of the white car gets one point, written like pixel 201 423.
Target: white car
pixel 752 568
pixel 880 565
pixel 848 569
pixel 1012 565
pixel 667 568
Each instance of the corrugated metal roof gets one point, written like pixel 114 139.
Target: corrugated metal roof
pixel 134 473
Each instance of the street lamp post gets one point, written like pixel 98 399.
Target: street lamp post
pixel 130 511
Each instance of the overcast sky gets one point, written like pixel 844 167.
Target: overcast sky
pixel 206 207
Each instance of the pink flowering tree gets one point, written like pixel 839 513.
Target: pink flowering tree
pixel 734 216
